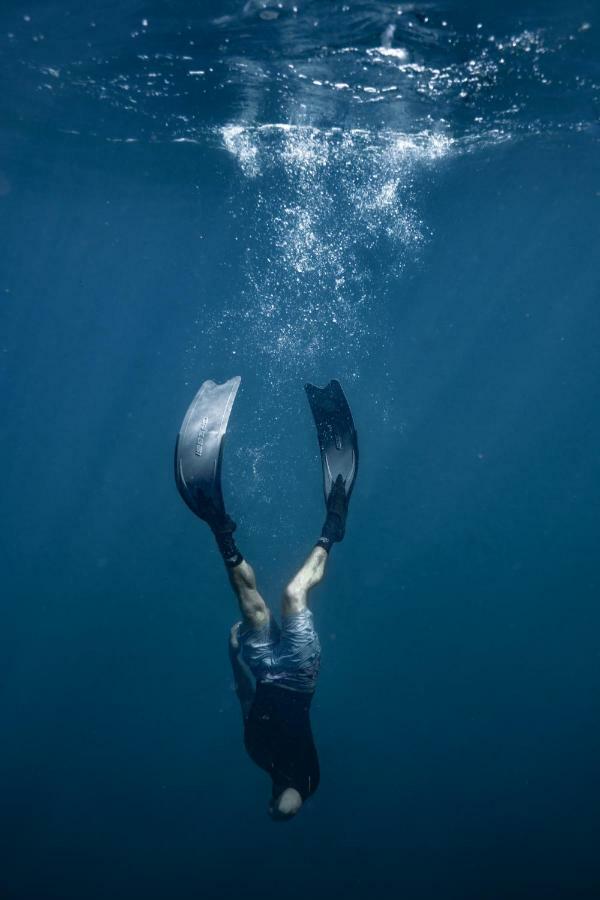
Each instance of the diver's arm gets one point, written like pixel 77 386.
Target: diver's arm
pixel 244 686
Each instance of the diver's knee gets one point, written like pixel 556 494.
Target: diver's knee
pixel 256 613
pixel 294 599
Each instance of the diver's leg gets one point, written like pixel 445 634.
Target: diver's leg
pixel 252 606
pixel 252 640
pixel 295 596
pixel 241 574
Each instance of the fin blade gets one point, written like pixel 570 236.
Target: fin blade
pixel 338 441
pixel 199 446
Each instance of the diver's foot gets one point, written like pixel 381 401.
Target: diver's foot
pixel 334 528
pixel 222 526
pixel 225 542
pixel 223 531
pixel 217 519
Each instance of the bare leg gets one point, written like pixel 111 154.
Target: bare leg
pixel 295 596
pixel 252 606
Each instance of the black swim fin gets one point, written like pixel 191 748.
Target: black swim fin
pixel 199 449
pixel 337 435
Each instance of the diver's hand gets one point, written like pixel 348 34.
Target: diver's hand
pixel 234 643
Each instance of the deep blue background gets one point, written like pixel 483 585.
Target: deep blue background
pixel 457 714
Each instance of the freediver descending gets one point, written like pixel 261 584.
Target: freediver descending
pixel 275 667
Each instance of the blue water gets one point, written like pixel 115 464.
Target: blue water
pixel 402 196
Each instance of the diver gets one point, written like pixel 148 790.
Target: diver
pixel 275 667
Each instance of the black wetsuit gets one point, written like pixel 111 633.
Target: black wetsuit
pixel 278 738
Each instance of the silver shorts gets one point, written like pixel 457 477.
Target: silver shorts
pixel 289 656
